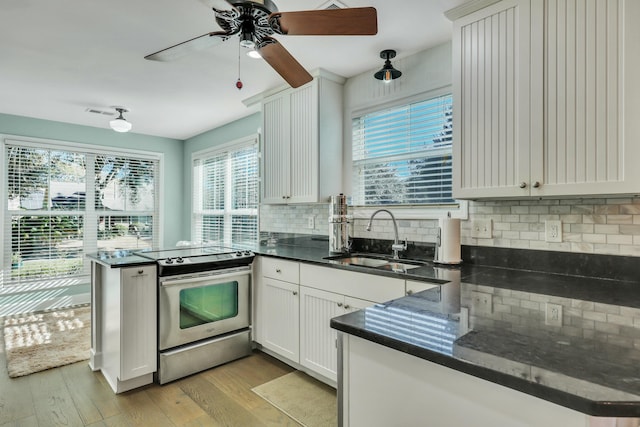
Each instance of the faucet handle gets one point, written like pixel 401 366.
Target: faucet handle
pixel 400 246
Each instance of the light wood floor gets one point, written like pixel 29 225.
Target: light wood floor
pixel 73 395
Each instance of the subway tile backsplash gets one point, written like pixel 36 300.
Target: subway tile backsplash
pixel 595 225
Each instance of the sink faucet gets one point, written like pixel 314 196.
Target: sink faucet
pixel 396 247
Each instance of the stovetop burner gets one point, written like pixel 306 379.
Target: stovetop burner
pixel 194 259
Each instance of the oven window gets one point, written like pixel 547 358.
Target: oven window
pixel 207 304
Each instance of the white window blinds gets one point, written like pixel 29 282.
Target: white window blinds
pixel 225 202
pixel 63 203
pixel 402 155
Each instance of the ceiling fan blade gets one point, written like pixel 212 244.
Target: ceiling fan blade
pixel 281 60
pixel 218 4
pixel 357 21
pixel 181 49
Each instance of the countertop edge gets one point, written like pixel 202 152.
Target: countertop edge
pixel 567 400
pixel 120 264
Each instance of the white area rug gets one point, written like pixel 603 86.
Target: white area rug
pixel 37 341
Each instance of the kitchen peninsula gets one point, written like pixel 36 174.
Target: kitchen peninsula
pixel 523 348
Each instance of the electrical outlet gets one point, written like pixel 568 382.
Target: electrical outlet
pixel 481 228
pixel 553 230
pixel 553 314
pixel 311 222
pixel 482 302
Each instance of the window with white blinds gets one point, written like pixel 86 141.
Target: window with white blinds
pixel 225 194
pixel 65 202
pixel 402 155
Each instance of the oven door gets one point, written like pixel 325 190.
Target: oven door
pixel 192 308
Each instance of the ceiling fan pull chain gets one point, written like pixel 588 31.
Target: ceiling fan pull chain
pixel 239 82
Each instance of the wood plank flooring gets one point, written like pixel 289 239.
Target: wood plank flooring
pixel 73 395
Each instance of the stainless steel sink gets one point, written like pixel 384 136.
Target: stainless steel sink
pixel 374 261
pixel 363 261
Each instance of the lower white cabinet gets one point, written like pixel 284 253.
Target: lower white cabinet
pixel 297 302
pixel 127 326
pixel 384 387
pixel 318 345
pixel 280 327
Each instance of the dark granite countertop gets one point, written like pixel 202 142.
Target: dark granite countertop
pixel 589 363
pixel 119 259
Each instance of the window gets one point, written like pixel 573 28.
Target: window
pixel 67 201
pixel 225 199
pixel 402 155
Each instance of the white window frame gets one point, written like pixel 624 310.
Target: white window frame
pixel 90 232
pixel 197 180
pixel 459 209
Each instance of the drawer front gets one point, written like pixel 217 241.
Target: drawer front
pixel 275 268
pixel 364 286
pixel 413 287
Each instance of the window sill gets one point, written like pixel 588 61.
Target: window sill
pixel 459 210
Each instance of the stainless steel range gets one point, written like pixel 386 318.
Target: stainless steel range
pixel 204 308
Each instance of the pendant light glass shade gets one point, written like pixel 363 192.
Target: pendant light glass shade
pixel 119 124
pixel 387 73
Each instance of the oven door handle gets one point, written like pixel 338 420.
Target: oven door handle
pixel 194 279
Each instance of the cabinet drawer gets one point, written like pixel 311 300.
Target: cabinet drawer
pixel 287 271
pixel 413 287
pixel 368 287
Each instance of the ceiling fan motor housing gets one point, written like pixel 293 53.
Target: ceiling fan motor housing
pixel 249 18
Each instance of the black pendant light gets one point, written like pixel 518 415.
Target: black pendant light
pixel 387 73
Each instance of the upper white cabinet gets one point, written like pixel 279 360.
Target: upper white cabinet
pixel 495 80
pixel 546 99
pixel 302 144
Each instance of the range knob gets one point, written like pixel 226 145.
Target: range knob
pixel 169 261
pixel 238 253
pixel 179 260
pixel 247 253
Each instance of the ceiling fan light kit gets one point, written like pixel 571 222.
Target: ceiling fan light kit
pixel 387 73
pixel 256 21
pixel 120 124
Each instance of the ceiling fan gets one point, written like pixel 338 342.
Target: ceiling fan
pixel 256 21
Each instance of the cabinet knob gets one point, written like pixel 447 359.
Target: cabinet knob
pixel 278 270
pixel 347 306
pixel 523 185
pixel 284 197
pixel 140 271
pixel 295 292
pixel 536 184
pixel 339 304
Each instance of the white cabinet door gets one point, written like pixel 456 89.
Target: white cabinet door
pixel 497 76
pixel 302 146
pixel 275 149
pixel 318 349
pixel 290 150
pixel 542 94
pixel 281 318
pixel 138 322
pixel 591 60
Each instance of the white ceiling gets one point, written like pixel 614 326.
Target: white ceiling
pixel 60 57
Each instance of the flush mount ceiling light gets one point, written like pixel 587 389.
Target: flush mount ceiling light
pixel 119 124
pixel 387 73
